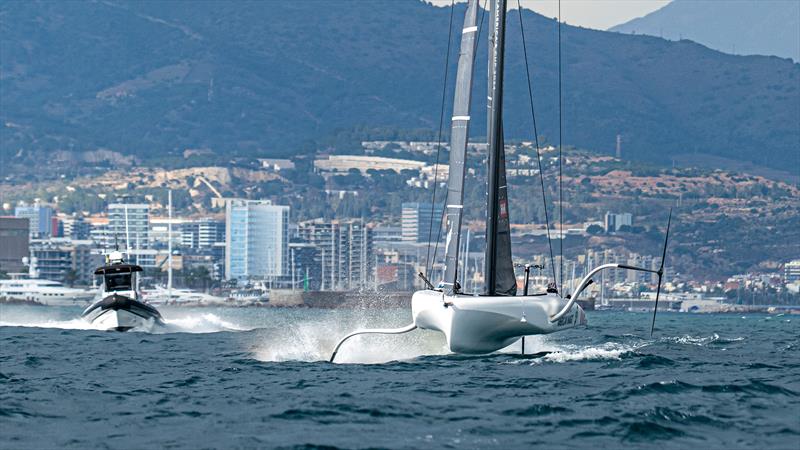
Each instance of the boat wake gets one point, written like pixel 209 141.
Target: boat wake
pixel 198 323
pixel 552 350
pixel 70 324
pixel 59 318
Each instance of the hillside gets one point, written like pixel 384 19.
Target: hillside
pixel 256 78
pixel 742 27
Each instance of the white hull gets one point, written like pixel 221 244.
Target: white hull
pixel 120 313
pixel 482 324
pixel 121 320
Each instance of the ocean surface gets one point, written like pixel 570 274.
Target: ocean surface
pixel 259 378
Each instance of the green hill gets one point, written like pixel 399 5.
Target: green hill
pixel 262 78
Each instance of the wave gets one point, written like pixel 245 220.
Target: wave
pixel 607 351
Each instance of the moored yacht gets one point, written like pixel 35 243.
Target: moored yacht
pixel 161 295
pixel 119 307
pixel 45 292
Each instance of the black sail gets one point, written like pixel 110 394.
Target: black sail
pixel 458 146
pixel 499 271
pixel 505 280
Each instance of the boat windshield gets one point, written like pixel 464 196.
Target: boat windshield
pixel 119 281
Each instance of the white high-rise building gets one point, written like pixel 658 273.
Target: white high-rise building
pixel 421 221
pixel 129 225
pixel 202 234
pixel 256 239
pixel 344 255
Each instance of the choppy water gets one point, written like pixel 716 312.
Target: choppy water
pixel 258 378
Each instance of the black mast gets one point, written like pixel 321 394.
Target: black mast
pixel 500 279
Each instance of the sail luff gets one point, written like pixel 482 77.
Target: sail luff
pixel 458 146
pixel 494 105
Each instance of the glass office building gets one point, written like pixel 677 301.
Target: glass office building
pixel 256 239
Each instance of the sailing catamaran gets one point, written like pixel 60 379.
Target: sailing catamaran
pixel 482 323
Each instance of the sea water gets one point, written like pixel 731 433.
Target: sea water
pixel 259 377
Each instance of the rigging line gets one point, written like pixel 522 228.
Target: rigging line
pixel 560 161
pixel 444 206
pixel 480 29
pixel 536 140
pixel 439 138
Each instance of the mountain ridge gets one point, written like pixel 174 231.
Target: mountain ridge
pixel 744 27
pixel 153 78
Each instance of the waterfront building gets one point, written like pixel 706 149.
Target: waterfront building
pixel 100 234
pixel 129 224
pixel 65 260
pixel 159 230
pixel 202 233
pixel 14 238
pixel 256 239
pixel 388 234
pixel 75 227
pixel 345 249
pixel 306 267
pixel 420 220
pixel 791 271
pixel 40 219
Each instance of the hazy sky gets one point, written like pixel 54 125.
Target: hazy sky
pixel 599 14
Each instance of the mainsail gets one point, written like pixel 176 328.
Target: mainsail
pixel 500 278
pixel 458 146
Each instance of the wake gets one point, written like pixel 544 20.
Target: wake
pixel 184 321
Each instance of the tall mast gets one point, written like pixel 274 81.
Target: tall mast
pixel 127 234
pixel 458 146
pixel 169 246
pixel 499 269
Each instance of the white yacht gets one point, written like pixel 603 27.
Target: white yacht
pixel 161 295
pixel 45 292
pixel 119 307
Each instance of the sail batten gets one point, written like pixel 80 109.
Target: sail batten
pixel 458 147
pixel 499 271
